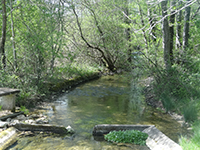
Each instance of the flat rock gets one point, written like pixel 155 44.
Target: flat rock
pixel 3 124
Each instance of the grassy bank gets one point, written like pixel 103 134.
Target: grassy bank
pixel 34 90
pixel 192 143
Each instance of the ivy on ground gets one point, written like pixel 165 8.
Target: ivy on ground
pixel 128 136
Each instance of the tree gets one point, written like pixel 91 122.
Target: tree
pixel 171 30
pixel 13 36
pixel 166 35
pixel 3 37
pixel 186 26
pixel 178 26
pixel 96 26
pixel 127 21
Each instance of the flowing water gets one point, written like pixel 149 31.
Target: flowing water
pixel 108 100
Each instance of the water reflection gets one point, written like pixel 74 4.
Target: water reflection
pixel 104 101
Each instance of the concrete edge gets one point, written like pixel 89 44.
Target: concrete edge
pixel 156 140
pixel 8 137
pixel 159 141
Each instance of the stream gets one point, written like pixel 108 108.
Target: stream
pixel 108 100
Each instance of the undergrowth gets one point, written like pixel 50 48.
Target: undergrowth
pixel 34 89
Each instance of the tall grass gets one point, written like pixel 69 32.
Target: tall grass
pixel 74 69
pixel 192 143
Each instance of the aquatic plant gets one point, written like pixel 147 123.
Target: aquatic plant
pixel 128 136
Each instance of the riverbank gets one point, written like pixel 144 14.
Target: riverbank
pixel 187 142
pixel 51 88
pixel 103 101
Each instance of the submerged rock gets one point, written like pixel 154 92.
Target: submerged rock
pixel 21 117
pixel 42 120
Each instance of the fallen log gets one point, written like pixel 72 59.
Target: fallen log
pixel 7 138
pixel 44 128
pixel 4 118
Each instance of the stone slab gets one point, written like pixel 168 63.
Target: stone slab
pixel 102 129
pixel 7 91
pixel 7 102
pixel 159 141
pixel 7 137
pixel 7 98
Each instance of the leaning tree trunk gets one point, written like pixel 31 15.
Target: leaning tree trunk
pixel 3 38
pixel 186 27
pixel 166 35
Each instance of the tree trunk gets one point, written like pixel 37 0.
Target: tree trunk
pixel 3 38
pixel 13 37
pixel 178 27
pixel 166 35
pixel 127 30
pixel 186 27
pixel 171 30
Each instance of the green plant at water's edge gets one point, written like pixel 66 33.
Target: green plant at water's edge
pixel 23 108
pixel 0 107
pixel 128 136
pixel 192 143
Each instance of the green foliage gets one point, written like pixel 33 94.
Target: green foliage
pixel 23 97
pixel 0 107
pixel 128 136
pixel 23 108
pixel 176 88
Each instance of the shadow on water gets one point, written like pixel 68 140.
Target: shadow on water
pixel 109 100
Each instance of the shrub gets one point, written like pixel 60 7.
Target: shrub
pixel 128 136
pixel 190 112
